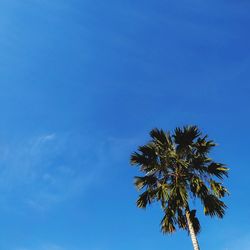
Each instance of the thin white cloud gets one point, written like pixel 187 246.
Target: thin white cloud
pixel 48 169
pixel 43 171
pixel 48 137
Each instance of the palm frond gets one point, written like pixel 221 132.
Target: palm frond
pixel 199 163
pixel 217 169
pixel 162 194
pixel 203 146
pixel 159 136
pixel 178 196
pixel 218 189
pixel 181 219
pixel 213 206
pixel 185 136
pixel 198 187
pixel 168 222
pixel 146 158
pixel 146 198
pixel 145 181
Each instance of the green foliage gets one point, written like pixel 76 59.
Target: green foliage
pixel 176 169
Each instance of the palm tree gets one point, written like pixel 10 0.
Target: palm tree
pixel 176 170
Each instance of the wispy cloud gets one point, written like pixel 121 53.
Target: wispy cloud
pixel 43 170
pixel 47 169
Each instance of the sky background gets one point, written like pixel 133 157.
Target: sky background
pixel 82 82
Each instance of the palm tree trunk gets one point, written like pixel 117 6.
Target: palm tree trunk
pixel 192 233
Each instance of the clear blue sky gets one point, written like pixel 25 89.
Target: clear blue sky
pixel 82 83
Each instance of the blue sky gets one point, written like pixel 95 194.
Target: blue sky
pixel 82 83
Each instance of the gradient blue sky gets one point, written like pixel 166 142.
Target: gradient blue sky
pixel 82 83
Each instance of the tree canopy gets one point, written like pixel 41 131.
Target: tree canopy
pixel 176 168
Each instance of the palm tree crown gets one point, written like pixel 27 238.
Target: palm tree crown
pixel 176 169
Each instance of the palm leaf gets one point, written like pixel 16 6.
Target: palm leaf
pixel 168 222
pixel 213 206
pixel 185 136
pixel 217 169
pixel 218 189
pixel 145 181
